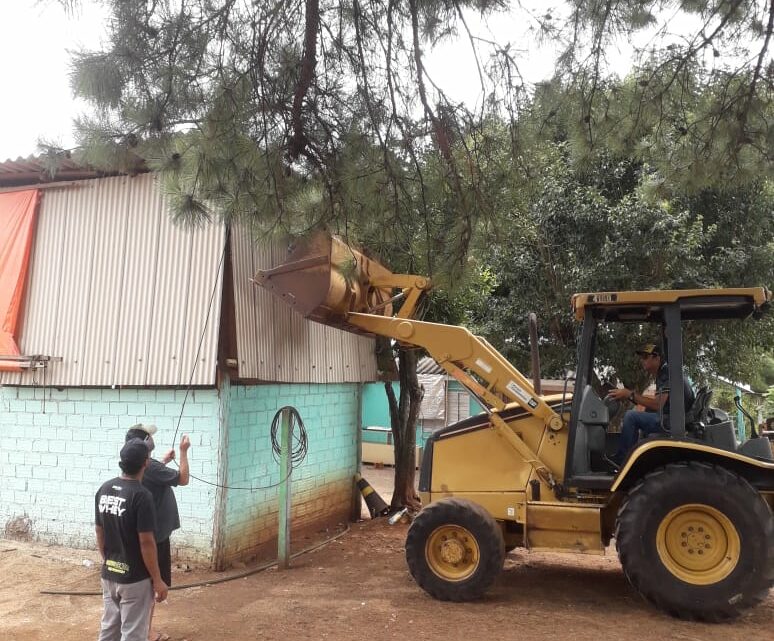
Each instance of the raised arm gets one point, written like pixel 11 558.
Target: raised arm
pixel 185 473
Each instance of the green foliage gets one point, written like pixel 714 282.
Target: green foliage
pixel 584 227
pixel 768 407
pixel 723 397
pixel 258 112
pixel 244 121
pixel 766 375
pixel 698 103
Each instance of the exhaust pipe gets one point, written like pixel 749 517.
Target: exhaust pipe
pixel 534 353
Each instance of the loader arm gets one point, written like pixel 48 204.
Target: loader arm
pixel 464 355
pixel 355 293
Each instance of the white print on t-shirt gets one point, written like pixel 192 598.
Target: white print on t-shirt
pixel 111 505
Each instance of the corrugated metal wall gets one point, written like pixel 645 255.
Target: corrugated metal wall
pixel 121 294
pixel 118 291
pixel 274 343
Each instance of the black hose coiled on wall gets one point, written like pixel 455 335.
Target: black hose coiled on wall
pixel 298 437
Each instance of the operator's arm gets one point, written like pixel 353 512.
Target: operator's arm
pixel 648 402
pixel 151 560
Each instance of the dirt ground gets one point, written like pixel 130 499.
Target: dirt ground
pixel 357 587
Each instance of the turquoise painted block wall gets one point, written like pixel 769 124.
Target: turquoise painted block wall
pixel 376 412
pixel 375 408
pixel 321 485
pixel 58 446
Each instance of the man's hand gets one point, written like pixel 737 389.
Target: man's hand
pixel 185 474
pixel 169 456
pixel 161 590
pixel 619 394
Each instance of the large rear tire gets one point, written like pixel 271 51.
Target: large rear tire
pixel 697 541
pixel 455 550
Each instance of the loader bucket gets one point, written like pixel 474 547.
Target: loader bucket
pixel 325 279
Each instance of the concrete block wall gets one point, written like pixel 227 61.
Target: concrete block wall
pixel 58 445
pixel 321 485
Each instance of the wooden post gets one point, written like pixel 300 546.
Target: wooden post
pixel 283 536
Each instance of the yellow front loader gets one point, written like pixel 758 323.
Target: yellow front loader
pixel 690 510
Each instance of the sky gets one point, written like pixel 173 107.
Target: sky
pixel 37 101
pixel 36 37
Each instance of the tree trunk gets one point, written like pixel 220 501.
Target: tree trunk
pixel 403 420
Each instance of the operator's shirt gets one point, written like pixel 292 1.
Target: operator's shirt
pixel 662 387
pixel 124 508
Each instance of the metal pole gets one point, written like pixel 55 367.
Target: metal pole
pixel 356 496
pixel 740 429
pixel 283 536
pixel 674 345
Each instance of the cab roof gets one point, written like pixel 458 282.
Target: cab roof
pixel 694 303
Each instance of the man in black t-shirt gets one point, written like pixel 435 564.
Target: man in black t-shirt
pixel 124 520
pixel 655 418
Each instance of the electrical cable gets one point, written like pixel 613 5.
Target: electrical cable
pixel 204 333
pixel 297 453
pixel 223 579
pixel 300 440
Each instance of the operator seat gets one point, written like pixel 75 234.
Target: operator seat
pixel 590 430
pixel 697 415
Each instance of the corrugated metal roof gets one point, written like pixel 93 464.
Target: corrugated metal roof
pixel 121 294
pixel 427 365
pixel 118 291
pixel 275 343
pixel 37 170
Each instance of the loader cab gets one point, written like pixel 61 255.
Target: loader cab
pixel 590 440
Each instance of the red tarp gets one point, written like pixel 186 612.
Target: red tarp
pixel 18 210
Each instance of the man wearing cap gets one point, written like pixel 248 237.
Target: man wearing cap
pixel 649 421
pixel 124 520
pixel 159 480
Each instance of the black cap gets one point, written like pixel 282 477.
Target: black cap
pixel 134 453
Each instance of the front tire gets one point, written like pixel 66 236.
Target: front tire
pixel 696 540
pixel 455 550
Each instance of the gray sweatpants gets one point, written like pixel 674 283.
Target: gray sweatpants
pixel 126 616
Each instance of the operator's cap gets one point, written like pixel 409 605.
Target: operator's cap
pixel 649 349
pixel 135 452
pixel 141 430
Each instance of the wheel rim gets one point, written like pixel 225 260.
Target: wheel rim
pixel 452 552
pixel 698 544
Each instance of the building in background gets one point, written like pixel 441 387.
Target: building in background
pixel 445 401
pixel 126 317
